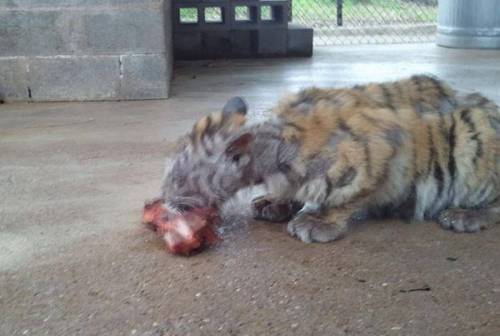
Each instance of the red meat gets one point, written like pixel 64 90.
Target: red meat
pixel 183 234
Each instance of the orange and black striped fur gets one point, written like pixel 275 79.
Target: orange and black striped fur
pixel 411 148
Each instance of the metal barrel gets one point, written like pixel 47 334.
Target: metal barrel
pixel 469 24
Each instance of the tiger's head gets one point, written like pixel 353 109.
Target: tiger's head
pixel 214 163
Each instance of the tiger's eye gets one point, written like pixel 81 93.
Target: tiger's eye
pixel 184 207
pixel 236 158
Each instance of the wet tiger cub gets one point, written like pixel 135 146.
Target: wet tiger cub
pixel 411 147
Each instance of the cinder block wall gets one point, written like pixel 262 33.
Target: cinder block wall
pixel 60 50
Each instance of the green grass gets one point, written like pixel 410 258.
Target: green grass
pixel 363 12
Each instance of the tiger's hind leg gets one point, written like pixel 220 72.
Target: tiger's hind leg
pixel 470 220
pixel 273 210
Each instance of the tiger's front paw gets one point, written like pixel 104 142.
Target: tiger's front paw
pixel 274 210
pixel 310 229
pixel 463 220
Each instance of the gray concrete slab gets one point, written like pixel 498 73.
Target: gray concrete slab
pixel 75 260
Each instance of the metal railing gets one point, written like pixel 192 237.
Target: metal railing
pixel 367 21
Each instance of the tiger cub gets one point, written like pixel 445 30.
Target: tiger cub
pixel 327 157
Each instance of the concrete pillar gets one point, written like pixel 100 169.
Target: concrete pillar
pixel 63 50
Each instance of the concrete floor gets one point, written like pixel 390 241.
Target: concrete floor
pixel 75 260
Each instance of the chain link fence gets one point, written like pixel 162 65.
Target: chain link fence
pixel 367 21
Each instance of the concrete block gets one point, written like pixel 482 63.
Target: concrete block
pixel 272 42
pixel 300 41
pixel 74 78
pixel 187 45
pixel 124 31
pixel 29 4
pixel 32 33
pixel 216 44
pixel 144 77
pixel 244 43
pixel 13 79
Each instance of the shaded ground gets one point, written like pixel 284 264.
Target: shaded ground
pixel 74 259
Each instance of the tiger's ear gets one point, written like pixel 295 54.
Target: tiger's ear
pixel 229 120
pixel 235 105
pixel 234 114
pixel 239 146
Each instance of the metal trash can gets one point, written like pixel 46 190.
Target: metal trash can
pixel 469 24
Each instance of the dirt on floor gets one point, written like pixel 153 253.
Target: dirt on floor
pixel 75 259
